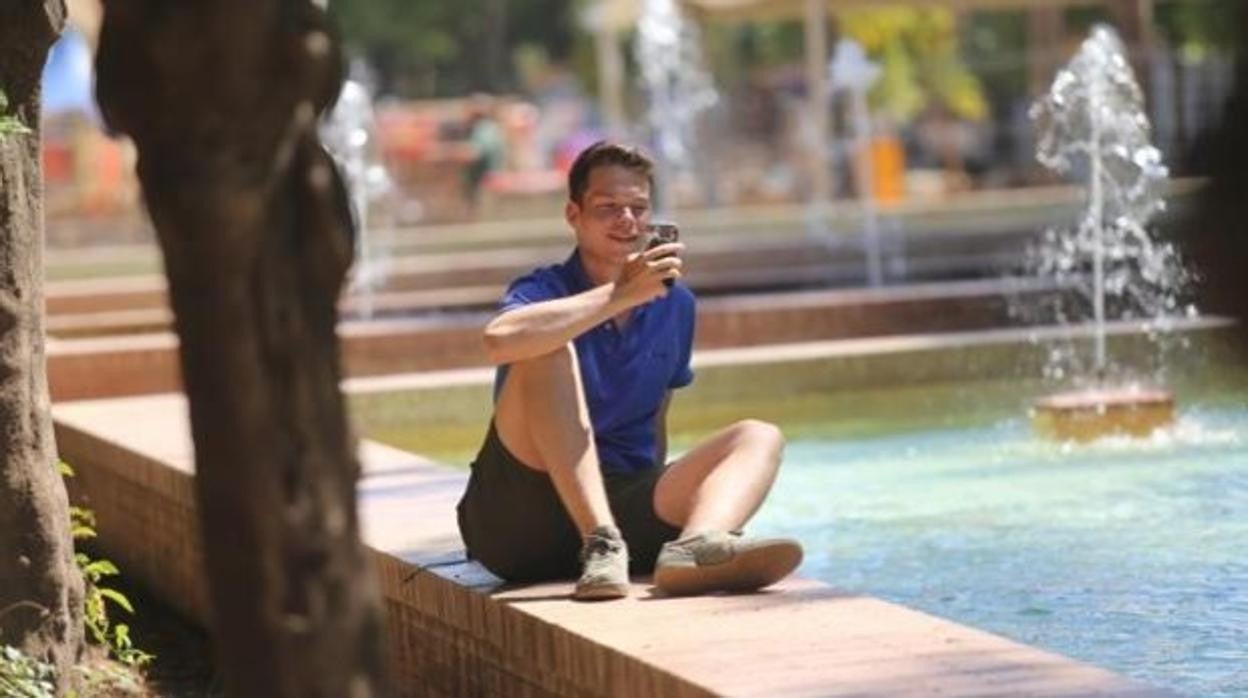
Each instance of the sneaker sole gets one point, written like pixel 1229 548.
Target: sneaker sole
pixel 601 592
pixel 749 570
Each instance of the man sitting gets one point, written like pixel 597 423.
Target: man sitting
pixel 571 477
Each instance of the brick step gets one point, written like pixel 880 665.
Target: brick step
pixel 147 363
pixel 715 265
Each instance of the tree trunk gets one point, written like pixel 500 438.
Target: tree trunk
pixel 1134 20
pixel 40 586
pixel 221 98
pixel 1045 52
pixel 1213 233
pixel 495 44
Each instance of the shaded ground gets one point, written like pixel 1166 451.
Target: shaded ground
pixel 183 667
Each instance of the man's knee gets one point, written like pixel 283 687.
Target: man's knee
pixel 535 377
pixel 558 363
pixel 759 434
pixel 547 387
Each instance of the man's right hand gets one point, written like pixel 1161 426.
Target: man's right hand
pixel 641 279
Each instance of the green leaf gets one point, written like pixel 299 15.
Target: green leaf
pixel 135 658
pixel 121 637
pixel 118 598
pixel 99 632
pixel 9 125
pixel 82 533
pixel 100 568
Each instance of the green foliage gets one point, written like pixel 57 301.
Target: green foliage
pixel 97 598
pixel 1201 26
pixel 429 49
pixel 994 45
pixel 22 676
pixel 9 124
pixel 82 523
pixel 918 52
pixel 767 45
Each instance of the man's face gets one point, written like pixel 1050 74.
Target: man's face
pixel 612 214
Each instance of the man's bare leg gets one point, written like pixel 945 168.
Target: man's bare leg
pixel 543 420
pixel 712 490
pixel 721 482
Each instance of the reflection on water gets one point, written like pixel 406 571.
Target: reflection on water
pixel 1126 554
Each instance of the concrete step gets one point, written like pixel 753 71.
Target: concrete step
pixel 93 317
pixel 468 280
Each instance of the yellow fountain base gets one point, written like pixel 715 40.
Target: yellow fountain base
pixel 1088 415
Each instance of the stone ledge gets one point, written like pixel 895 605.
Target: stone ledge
pixel 452 630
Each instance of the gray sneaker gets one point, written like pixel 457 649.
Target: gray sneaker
pixel 604 566
pixel 717 561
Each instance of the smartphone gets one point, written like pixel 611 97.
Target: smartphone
pixel 659 233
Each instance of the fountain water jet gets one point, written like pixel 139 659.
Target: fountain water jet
pixel 349 133
pixel 669 52
pixel 1092 120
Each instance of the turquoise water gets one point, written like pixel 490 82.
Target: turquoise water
pixel 1128 555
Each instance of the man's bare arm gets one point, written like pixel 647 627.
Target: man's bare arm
pixel 534 330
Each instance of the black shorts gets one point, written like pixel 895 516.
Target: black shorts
pixel 514 523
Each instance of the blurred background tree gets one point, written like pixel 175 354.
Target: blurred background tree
pixel 1201 26
pixel 438 49
pixel 929 56
pixel 919 53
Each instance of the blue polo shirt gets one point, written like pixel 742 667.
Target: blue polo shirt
pixel 626 374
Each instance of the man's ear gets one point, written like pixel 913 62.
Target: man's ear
pixel 571 213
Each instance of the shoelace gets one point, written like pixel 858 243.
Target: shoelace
pixel 600 545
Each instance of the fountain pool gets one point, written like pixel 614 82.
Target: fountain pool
pixel 1127 554
pixel 913 476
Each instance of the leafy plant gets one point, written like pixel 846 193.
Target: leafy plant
pixel 22 676
pixel 9 124
pixel 918 52
pixel 97 598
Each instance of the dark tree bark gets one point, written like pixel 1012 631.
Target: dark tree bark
pixel 221 98
pixel 1134 20
pixel 1213 233
pixel 40 587
pixel 495 22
